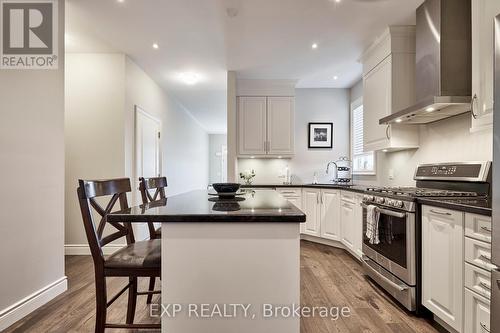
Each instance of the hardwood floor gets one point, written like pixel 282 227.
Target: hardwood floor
pixel 329 277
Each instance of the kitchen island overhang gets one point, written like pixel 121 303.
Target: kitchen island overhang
pixel 246 259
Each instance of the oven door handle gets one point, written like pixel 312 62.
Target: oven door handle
pixel 387 211
pixel 386 280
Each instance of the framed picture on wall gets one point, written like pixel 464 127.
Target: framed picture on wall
pixel 320 135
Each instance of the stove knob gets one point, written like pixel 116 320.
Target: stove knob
pixel 368 198
pixel 398 203
pixel 379 200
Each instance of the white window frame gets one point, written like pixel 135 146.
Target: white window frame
pixel 355 105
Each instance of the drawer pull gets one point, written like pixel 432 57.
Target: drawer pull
pixel 485 286
pixel 486 229
pixel 440 213
pixel 484 328
pixel 485 258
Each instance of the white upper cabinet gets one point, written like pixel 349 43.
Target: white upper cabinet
pixel 483 43
pixel 252 112
pixel 280 125
pixel 265 126
pixel 388 87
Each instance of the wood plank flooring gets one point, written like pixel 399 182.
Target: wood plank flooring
pixel 329 277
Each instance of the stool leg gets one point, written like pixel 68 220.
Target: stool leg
pixel 101 308
pixel 132 300
pixel 152 281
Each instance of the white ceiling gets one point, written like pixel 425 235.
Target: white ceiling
pixel 261 39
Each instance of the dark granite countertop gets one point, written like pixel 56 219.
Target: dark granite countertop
pixel 255 206
pixel 475 206
pixel 353 188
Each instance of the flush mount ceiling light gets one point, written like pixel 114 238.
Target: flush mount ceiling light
pixel 156 46
pixel 314 46
pixel 189 78
pixel 120 1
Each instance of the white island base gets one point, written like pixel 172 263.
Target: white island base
pixel 211 269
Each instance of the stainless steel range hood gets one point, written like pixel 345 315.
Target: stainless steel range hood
pixel 443 63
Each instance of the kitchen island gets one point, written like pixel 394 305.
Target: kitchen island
pixel 226 264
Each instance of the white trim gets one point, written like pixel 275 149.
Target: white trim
pixel 27 305
pixel 84 249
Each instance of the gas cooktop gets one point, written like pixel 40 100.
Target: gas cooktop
pixel 415 192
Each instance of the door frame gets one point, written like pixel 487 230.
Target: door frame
pixel 138 110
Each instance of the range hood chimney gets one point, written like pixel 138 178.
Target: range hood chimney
pixel 443 63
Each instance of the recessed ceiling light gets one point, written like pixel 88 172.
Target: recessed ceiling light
pixel 156 46
pixel 190 78
pixel 314 46
pixel 338 1
pixel 430 109
pixel 399 120
pixel 335 77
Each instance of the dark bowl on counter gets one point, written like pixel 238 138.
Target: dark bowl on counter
pixel 226 187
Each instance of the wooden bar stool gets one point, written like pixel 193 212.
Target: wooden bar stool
pixel 136 259
pixel 157 186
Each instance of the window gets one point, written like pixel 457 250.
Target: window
pixel 363 163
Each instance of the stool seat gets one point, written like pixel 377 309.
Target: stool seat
pixel 143 254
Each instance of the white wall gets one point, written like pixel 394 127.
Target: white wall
pixel 32 191
pixel 184 142
pixel 216 170
pixel 102 91
pixel 445 141
pixel 448 140
pixel 95 136
pixel 311 105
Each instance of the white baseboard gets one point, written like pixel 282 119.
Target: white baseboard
pixel 24 307
pixel 84 249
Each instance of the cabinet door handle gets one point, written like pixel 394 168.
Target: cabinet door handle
pixel 486 229
pixel 387 132
pixel 485 286
pixel 322 194
pixel 484 327
pixel 485 257
pixel 440 213
pixel 317 198
pixel 472 103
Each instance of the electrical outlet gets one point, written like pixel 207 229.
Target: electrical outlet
pixel 391 174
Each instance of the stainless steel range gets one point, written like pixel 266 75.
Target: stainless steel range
pixel 394 262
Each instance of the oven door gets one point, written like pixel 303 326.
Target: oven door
pixel 396 250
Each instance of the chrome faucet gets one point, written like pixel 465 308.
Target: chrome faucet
pixel 336 170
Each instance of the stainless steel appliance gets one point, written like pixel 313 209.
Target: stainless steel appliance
pixel 394 263
pixel 495 240
pixel 443 63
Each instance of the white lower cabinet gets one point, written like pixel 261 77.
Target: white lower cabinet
pixel 351 222
pixel 347 221
pixel 330 214
pixel 443 264
pixel 477 313
pixel 294 196
pixel 334 215
pixel 311 207
pixel 358 225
